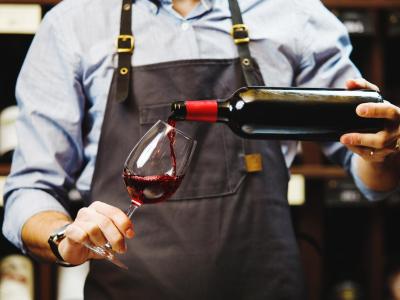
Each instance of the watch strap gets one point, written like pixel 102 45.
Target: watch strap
pixel 54 240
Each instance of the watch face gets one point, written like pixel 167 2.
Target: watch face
pixel 59 234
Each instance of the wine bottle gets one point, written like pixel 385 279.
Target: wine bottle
pixel 8 134
pixel 16 277
pixel 285 113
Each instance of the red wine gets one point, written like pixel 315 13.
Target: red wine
pixel 171 122
pixel 150 189
pixel 155 188
pixel 171 137
pixel 285 113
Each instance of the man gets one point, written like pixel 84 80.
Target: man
pixel 226 233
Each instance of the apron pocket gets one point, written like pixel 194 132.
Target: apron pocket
pixel 217 167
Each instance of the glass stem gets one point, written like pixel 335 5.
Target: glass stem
pixel 131 210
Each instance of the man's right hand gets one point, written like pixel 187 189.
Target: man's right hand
pixel 97 224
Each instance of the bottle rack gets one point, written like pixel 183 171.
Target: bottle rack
pixel 358 241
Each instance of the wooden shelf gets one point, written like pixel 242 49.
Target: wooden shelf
pixel 316 171
pixel 42 2
pixel 362 3
pixel 329 3
pixel 4 169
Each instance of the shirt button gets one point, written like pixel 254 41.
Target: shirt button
pixel 185 26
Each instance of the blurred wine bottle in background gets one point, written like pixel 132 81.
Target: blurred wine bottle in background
pixel 347 290
pixel 8 136
pixel 16 278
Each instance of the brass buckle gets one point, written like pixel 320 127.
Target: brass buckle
pixel 125 38
pixel 242 30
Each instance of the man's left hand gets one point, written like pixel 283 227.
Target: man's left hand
pixel 374 147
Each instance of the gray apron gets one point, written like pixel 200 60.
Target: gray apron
pixel 226 233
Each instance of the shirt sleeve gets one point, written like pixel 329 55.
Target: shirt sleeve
pixel 23 204
pixel 325 48
pixel 325 62
pixel 368 193
pixel 49 154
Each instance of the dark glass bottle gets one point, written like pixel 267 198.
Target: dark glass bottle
pixel 285 113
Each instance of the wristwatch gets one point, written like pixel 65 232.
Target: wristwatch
pixel 54 240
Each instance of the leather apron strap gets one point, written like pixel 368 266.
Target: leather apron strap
pixel 126 44
pixel 240 34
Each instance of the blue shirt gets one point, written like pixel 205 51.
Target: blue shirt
pixel 63 85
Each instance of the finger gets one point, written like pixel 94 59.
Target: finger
pixel 360 83
pixel 93 232
pixel 365 153
pixel 369 154
pixel 379 140
pixel 112 234
pixel 95 223
pixel 379 110
pixel 75 233
pixel 118 217
pixel 75 253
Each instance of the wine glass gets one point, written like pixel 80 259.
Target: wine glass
pixel 153 171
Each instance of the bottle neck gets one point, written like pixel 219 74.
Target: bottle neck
pixel 200 110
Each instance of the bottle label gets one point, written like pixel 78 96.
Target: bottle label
pixel 204 110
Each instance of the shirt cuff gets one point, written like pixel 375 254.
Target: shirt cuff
pixel 23 204
pixel 367 192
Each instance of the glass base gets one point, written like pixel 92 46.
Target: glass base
pixel 107 253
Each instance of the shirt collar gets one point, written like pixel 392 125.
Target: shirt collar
pixel 206 3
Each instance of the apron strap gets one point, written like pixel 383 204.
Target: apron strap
pixel 241 38
pixel 125 45
pixel 249 68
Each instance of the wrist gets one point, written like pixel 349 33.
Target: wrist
pixel 36 231
pixel 54 241
pixel 369 171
